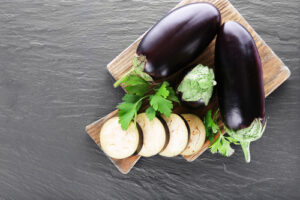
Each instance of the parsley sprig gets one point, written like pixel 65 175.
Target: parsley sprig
pixel 211 126
pixel 160 98
pixel 222 143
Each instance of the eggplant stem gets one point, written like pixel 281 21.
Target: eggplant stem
pixel 138 64
pixel 118 82
pixel 246 150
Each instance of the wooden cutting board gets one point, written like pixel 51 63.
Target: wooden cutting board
pixel 274 74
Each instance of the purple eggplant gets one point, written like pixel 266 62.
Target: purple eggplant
pixel 175 41
pixel 240 84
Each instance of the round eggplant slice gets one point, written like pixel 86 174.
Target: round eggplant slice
pixel 154 135
pixel 197 134
pixel 116 142
pixel 178 135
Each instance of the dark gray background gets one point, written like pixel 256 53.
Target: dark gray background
pixel 53 82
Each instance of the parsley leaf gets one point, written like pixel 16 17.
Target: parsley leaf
pixel 172 95
pixel 159 100
pixel 138 89
pixel 222 146
pixel 150 112
pixel 135 85
pixel 210 125
pixel 128 109
pixel 131 98
pixel 134 80
pixel 163 91
pixel 126 113
pixel 222 143
pixel 161 104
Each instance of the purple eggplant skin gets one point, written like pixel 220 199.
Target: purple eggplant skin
pixel 178 38
pixel 239 77
pixel 191 104
pixel 194 104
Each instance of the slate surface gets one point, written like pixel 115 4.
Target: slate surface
pixel 53 82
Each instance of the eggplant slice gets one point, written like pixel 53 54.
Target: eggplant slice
pixel 197 134
pixel 178 135
pixel 116 142
pixel 154 135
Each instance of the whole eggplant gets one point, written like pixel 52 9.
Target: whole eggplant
pixel 175 41
pixel 240 85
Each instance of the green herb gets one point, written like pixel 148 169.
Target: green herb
pixel 222 143
pixel 127 112
pixel 222 146
pixel 151 113
pixel 138 90
pixel 172 95
pixel 159 101
pixel 135 85
pixel 211 126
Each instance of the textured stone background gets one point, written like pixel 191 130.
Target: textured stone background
pixel 53 82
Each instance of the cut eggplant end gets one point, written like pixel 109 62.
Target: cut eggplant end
pixel 247 135
pixel 178 135
pixel 138 65
pixel 117 143
pixel 154 135
pixel 197 134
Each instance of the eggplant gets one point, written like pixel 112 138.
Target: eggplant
pixel 175 41
pixel 116 142
pixel 240 85
pixel 196 87
pixel 154 135
pixel 197 134
pixel 179 134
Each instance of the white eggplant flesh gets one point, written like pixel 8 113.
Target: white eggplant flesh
pixel 197 134
pixel 154 135
pixel 117 143
pixel 178 135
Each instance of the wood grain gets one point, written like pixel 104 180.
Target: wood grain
pixel 274 74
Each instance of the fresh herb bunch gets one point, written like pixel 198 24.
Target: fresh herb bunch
pixel 222 143
pixel 160 98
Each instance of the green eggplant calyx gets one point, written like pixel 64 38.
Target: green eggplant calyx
pixel 247 135
pixel 138 65
pixel 197 84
